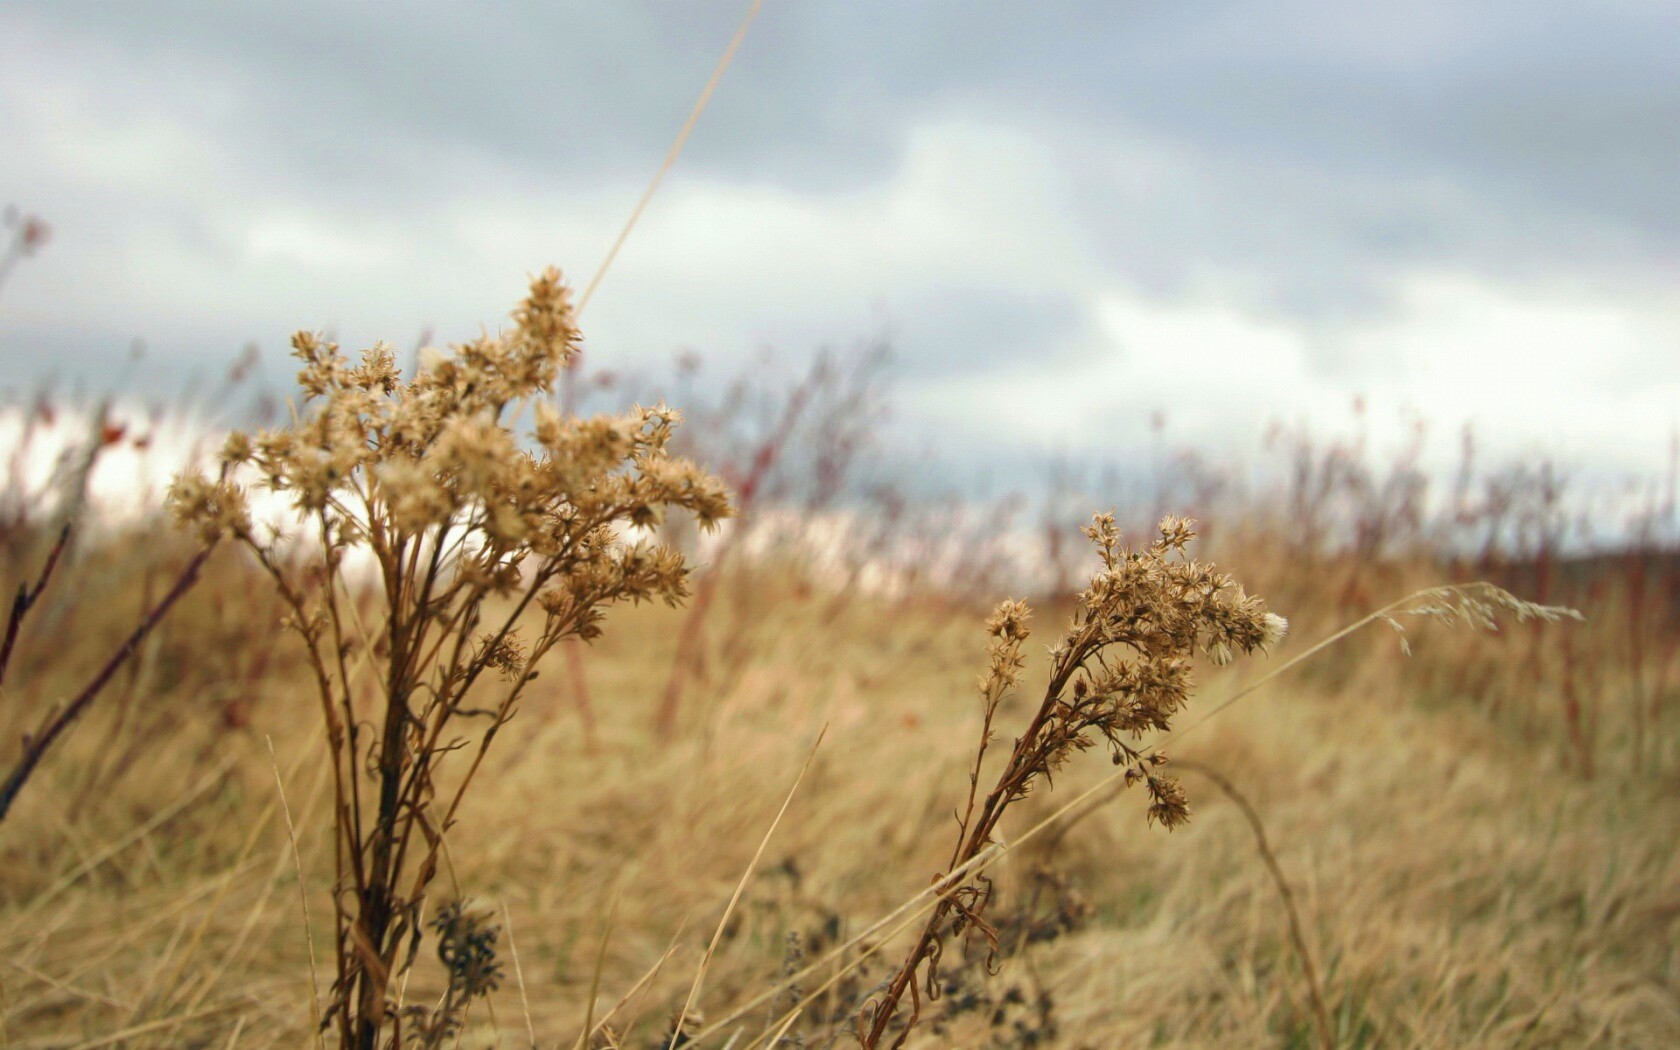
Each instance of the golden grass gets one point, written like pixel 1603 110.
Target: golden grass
pixel 1457 885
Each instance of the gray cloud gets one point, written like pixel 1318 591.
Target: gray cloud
pixel 966 330
pixel 977 173
pixel 1573 102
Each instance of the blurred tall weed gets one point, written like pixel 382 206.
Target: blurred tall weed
pixel 41 518
pixel 1121 670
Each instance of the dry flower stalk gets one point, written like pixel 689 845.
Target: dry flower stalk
pixel 60 717
pixel 490 549
pixel 1121 670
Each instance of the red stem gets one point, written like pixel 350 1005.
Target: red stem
pixel 35 746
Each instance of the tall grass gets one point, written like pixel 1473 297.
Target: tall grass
pixel 159 818
pixel 1454 886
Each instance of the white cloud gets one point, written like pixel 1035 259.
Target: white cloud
pixel 1537 371
pixel 1143 270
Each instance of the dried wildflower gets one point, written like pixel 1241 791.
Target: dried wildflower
pixel 1008 627
pixel 503 654
pixel 455 508
pixel 1168 805
pixel 1121 670
pixel 467 949
pixel 211 508
pixel 237 449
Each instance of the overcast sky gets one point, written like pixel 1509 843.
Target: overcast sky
pixel 1065 216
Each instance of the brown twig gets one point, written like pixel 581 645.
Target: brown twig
pixel 27 596
pixel 35 745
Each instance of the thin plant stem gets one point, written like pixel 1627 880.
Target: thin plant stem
pixel 671 155
pixel 27 596
pixel 1321 1014
pixel 519 975
pixel 37 744
pixel 303 898
pixel 740 887
pixel 595 976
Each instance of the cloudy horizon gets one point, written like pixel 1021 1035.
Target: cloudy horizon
pixel 1065 218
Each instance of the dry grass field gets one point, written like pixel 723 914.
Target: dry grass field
pixel 688 828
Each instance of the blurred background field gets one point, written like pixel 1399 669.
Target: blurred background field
pixel 1383 300
pixel 1479 836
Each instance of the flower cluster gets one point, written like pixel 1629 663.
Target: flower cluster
pixel 1155 607
pixel 394 458
pixel 467 949
pixel 1122 669
pixel 492 544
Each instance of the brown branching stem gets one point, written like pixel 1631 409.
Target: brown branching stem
pixel 1156 606
pixel 1025 762
pixel 1321 1013
pixel 27 596
pixel 36 745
